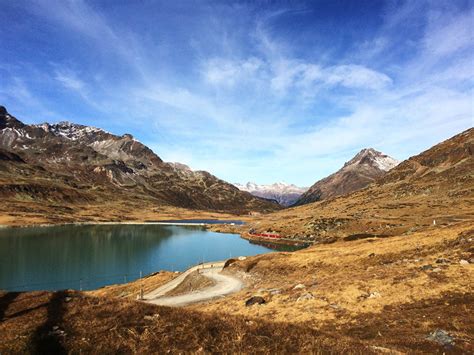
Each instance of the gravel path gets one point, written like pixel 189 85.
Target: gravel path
pixel 224 285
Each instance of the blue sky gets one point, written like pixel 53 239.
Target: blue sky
pixel 263 91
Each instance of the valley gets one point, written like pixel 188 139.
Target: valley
pixel 389 266
pixel 236 177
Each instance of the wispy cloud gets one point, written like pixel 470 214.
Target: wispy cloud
pixel 70 80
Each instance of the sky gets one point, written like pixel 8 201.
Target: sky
pixel 260 91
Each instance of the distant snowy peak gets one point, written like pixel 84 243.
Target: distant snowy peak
pixel 71 131
pixel 374 158
pixel 277 187
pixel 285 194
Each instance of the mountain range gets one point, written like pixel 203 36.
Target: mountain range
pixel 281 192
pixel 67 162
pixel 366 167
pixel 432 188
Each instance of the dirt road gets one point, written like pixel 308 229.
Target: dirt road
pixel 224 285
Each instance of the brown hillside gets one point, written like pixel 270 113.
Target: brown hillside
pixel 436 185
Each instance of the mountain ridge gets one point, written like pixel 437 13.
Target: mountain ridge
pixel 98 165
pixel 364 168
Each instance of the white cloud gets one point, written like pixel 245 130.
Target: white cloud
pixel 287 74
pixel 70 80
pixel 228 72
pixel 447 33
pixel 356 76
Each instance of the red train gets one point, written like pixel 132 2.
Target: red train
pixel 266 235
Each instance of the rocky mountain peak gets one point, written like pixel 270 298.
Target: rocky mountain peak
pixel 7 120
pixel 71 131
pixel 364 168
pixel 374 158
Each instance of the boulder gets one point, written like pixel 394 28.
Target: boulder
pixel 254 300
pixel 275 291
pixel 374 294
pixel 305 297
pixel 441 337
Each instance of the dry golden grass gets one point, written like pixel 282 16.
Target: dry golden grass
pixel 70 322
pixel 370 279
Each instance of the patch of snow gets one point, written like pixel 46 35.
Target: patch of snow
pixel 385 163
pixel 69 130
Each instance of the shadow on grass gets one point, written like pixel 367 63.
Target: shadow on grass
pixel 47 337
pixel 5 301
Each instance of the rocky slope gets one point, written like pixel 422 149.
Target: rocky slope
pixel 436 186
pixel 367 166
pixel 285 194
pixel 67 162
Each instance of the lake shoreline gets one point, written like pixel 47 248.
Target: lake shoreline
pixel 225 228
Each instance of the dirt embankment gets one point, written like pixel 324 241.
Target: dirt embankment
pixel 193 282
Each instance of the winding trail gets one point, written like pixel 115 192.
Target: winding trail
pixel 224 285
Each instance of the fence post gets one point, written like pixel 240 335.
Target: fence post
pixel 80 284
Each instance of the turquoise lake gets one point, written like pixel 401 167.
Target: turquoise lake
pixel 91 256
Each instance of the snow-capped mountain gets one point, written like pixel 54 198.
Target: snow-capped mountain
pixel 367 166
pixel 285 194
